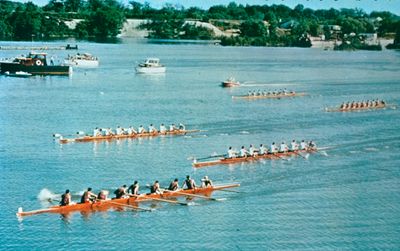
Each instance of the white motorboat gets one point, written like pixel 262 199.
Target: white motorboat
pixel 151 65
pixel 84 60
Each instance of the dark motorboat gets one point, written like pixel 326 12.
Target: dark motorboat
pixel 35 64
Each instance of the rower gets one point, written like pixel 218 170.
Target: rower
pixel 273 149
pixel 259 92
pixel 134 188
pixel 383 103
pixel 131 131
pixel 312 146
pixel 88 196
pixel 303 145
pixel 182 127
pixel 118 131
pixel 141 129
pixel 96 132
pixel 206 182
pixel 109 132
pixel 283 148
pixel 152 129
pixel 172 127
pixel 155 188
pixel 342 106
pixel 249 93
pixel 231 153
pixel 102 195
pixel 243 152
pixel 262 150
pixel 65 198
pixel 294 146
pixel 163 129
pixel 174 185
pixel 120 192
pixel 252 150
pixel 189 183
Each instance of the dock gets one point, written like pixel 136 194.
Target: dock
pixel 39 48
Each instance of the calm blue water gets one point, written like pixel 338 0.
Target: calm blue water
pixel 346 198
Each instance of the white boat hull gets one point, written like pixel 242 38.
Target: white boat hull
pixel 150 69
pixel 82 63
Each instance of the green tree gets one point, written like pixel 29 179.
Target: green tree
pixel 26 23
pixel 253 28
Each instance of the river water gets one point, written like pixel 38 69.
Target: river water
pixel 344 198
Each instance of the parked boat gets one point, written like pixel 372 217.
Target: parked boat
pixel 151 65
pixel 84 60
pixel 20 74
pixel 132 201
pixel 230 82
pixel 35 64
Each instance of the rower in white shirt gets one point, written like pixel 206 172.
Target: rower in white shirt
pixel 252 150
pixel 172 127
pixel 108 132
pixel 294 146
pixel 131 131
pixel 118 131
pixel 262 150
pixel 283 148
pixel 303 145
pixel 163 129
pixel 182 127
pixel 141 129
pixel 273 148
pixel 243 152
pixel 152 129
pixel 96 132
pixel 231 153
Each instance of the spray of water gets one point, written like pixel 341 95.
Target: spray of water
pixel 46 194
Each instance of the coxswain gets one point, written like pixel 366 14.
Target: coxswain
pixel 141 129
pixel 163 129
pixel 262 150
pixel 273 149
pixel 182 127
pixel 189 183
pixel 283 148
pixel 152 129
pixel 172 127
pixel 294 146
pixel 120 192
pixel 252 150
pixel 303 145
pixel 102 195
pixel 231 153
pixel 155 188
pixel 88 196
pixel 65 198
pixel 243 152
pixel 174 185
pixel 134 188
pixel 206 182
pixel 312 146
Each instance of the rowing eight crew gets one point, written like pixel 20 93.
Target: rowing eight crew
pixel 283 148
pixel 362 104
pixel 98 132
pixel 274 93
pixel 133 190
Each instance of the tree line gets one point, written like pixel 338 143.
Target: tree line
pixel 260 25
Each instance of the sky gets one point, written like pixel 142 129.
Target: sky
pixel 367 5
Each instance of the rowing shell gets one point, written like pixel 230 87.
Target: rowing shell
pixel 355 109
pixel 103 205
pixel 288 95
pixel 139 135
pixel 225 161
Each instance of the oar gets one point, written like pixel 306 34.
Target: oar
pixel 209 157
pixel 130 206
pixel 199 196
pixel 171 201
pixel 231 191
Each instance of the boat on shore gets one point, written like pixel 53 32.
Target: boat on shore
pixel 35 64
pixel 230 82
pixel 271 96
pixel 20 74
pixel 151 65
pixel 84 60
pixel 125 136
pixel 129 202
pixel 225 160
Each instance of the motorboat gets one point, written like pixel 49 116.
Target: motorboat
pixel 151 65
pixel 230 82
pixel 84 60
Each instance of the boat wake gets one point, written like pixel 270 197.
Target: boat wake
pixel 371 149
pixel 244 132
